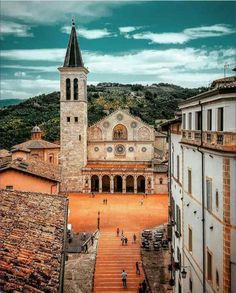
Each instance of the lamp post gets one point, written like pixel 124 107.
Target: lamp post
pixel 183 272
pixel 98 220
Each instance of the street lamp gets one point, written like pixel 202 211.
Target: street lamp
pixel 183 272
pixel 98 220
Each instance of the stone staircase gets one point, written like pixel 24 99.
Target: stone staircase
pixel 111 259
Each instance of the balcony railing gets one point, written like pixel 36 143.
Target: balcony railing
pixel 225 141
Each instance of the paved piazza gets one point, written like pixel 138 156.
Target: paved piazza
pixel 123 211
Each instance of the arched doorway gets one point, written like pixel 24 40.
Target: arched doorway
pixel 118 183
pixel 141 184
pixel 129 183
pixel 94 183
pixel 105 183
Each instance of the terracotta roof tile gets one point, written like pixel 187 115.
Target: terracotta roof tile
pixel 34 167
pixel 35 144
pixel 4 153
pixel 32 231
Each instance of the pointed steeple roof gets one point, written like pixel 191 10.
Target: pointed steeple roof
pixel 73 56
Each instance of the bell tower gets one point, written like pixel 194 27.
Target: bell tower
pixel 73 116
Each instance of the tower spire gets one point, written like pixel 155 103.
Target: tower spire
pixel 73 56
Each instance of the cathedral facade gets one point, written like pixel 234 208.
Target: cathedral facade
pixel 116 154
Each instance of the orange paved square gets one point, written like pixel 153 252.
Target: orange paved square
pixel 123 211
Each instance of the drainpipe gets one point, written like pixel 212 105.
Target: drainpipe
pixel 203 208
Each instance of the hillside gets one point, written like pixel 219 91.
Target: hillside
pixel 8 102
pixel 150 103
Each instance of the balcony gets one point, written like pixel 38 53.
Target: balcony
pixel 217 140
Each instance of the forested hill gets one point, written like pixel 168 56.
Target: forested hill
pixel 150 103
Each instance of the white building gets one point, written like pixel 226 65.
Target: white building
pixel 203 191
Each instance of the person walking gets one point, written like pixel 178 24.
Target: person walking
pixel 137 268
pixel 124 279
pixel 141 202
pixel 134 238
pixel 140 288
pixel 144 285
pixel 126 241
pixel 117 232
pixel 122 239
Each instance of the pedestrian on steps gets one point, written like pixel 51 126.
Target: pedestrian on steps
pixel 137 268
pixel 122 239
pixel 144 285
pixel 134 238
pixel 124 279
pixel 140 288
pixel 126 241
pixel 117 232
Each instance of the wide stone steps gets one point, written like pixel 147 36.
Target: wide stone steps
pixel 111 259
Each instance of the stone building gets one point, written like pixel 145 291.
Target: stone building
pixel 202 191
pixel 116 154
pixel 37 148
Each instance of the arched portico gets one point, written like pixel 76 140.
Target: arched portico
pixel 130 183
pixel 105 183
pixel 118 184
pixel 94 183
pixel 141 184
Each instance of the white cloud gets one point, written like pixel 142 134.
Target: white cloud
pixel 127 29
pixel 25 88
pixel 184 66
pixel 89 34
pixel 141 62
pixel 34 54
pixel 16 29
pixel 53 11
pixel 186 35
pixel 20 74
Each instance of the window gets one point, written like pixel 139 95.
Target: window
pixel 79 137
pixel 76 119
pixel 190 121
pixel 179 257
pixel 178 219
pixel 120 132
pixel 220 120
pixel 217 198
pixel 209 119
pixel 51 158
pixel 217 279
pixel 68 89
pixel 76 89
pixel 9 187
pixel 189 181
pixel 209 194
pixel 209 266
pixel 190 239
pixel 190 285
pixel 198 120
pixel 68 119
pixel 161 181
pixel 184 121
pixel 177 164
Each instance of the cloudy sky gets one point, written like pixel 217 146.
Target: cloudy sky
pixel 185 43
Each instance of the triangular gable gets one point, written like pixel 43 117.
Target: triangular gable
pixel 123 112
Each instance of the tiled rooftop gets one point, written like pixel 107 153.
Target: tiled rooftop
pixel 31 241
pixel 35 144
pixel 4 153
pixel 34 167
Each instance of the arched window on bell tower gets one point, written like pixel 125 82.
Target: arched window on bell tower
pixel 68 89
pixel 76 92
